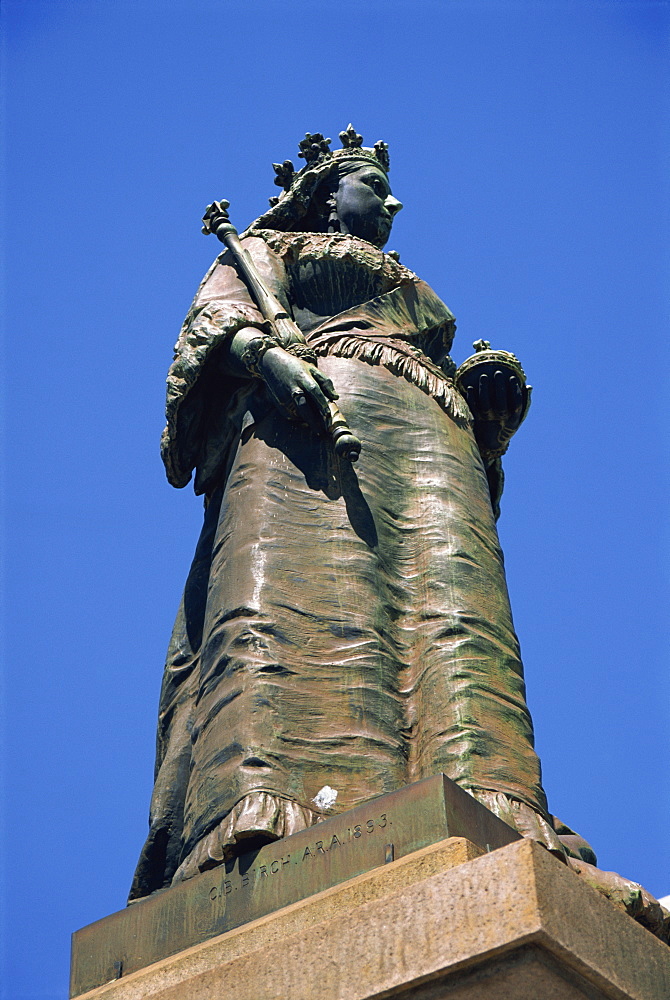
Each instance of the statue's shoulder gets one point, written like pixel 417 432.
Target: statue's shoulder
pixel 332 247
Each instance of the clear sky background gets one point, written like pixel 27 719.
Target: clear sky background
pixel 529 143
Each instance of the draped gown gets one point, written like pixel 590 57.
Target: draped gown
pixel 342 627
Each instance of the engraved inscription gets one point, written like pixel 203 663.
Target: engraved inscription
pixel 257 876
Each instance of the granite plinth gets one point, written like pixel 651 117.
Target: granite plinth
pixel 341 847
pixel 515 924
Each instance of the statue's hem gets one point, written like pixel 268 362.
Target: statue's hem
pixel 258 816
pixel 263 816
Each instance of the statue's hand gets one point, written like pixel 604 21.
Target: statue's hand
pixel 497 405
pixel 298 388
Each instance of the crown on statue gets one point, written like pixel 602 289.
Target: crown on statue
pixel 315 150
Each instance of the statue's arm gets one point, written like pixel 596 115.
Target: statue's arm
pixel 225 341
pixel 296 386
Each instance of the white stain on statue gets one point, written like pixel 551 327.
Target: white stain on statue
pixel 325 798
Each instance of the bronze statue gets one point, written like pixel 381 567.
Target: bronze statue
pixel 345 627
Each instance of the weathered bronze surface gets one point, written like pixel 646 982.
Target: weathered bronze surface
pixel 345 628
pixel 251 885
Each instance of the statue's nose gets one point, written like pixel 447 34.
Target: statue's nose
pixel 392 205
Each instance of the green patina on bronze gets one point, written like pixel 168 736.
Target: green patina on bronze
pixel 343 626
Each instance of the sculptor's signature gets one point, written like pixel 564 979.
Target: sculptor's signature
pixel 253 876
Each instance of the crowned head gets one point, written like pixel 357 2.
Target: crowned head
pixel 343 190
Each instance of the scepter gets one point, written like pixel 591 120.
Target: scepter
pixel 346 444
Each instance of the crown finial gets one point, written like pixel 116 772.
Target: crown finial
pixel 350 138
pixel 314 146
pixel 315 151
pixel 284 174
pixel 382 153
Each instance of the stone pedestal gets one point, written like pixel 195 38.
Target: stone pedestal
pixel 445 922
pixel 286 871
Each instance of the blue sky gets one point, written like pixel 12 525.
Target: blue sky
pixel 529 144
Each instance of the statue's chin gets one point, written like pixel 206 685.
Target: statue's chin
pixel 380 238
pixel 384 234
pixel 377 234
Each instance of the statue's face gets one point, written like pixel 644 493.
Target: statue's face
pixel 365 206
